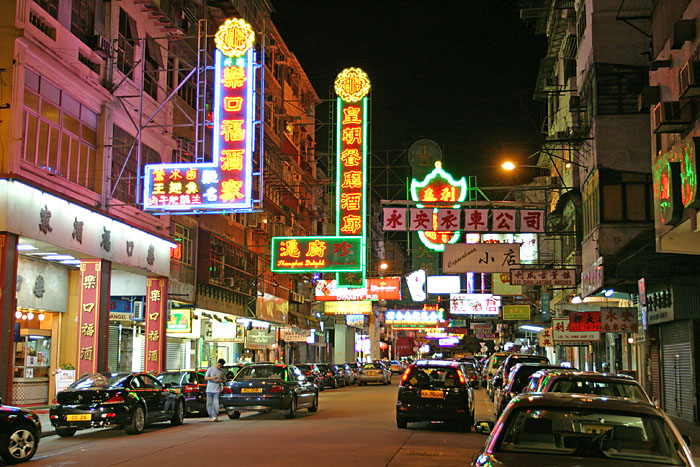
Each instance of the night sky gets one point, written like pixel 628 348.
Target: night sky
pixel 461 73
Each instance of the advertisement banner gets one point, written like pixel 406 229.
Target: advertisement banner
pixel 516 312
pixel 259 338
pixel 155 319
pixel 388 288
pixel 475 304
pixel 385 288
pixel 581 321
pixel 180 321
pixel 348 308
pixel 618 319
pixel 551 277
pixel 88 315
pixel 501 285
pixel 480 257
pixel 273 309
pixel 294 334
pixel 545 338
pixel 561 334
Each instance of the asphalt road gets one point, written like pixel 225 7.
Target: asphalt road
pixel 353 426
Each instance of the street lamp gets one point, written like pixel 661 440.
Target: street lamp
pixel 508 165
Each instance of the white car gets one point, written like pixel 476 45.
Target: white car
pixel 374 373
pixel 396 367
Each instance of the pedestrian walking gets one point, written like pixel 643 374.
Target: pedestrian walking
pixel 215 377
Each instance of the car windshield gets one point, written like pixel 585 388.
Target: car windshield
pixel 169 378
pixel 600 387
pixel 260 372
pixel 426 377
pixel 591 433
pixel 303 367
pixel 353 365
pixel 100 380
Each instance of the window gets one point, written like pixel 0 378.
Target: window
pixel 233 267
pixel 82 20
pixel 581 23
pixel 183 239
pixel 591 199
pixel 154 61
pixel 125 168
pixel 611 89
pixel 126 41
pixel 59 133
pixel 625 197
pixel 51 6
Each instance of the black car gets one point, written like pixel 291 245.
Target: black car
pixel 518 379
pixel 192 386
pixel 435 390
pixel 501 375
pixel 313 374
pixel 332 376
pixel 20 431
pixel 268 387
pixel 130 400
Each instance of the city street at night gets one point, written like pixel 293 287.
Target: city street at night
pixel 353 426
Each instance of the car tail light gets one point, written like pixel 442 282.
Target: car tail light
pixel 276 389
pixel 461 377
pixel 405 376
pixel 329 375
pixel 115 399
pixel 227 390
pixel 191 388
pixel 54 401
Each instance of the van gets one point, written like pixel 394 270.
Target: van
pixel 492 365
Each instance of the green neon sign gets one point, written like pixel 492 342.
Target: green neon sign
pixel 437 189
pixel 317 254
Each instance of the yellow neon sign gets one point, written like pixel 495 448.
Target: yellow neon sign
pixel 234 37
pixel 352 84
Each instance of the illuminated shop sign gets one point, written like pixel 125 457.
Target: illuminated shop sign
pixel 305 254
pixel 442 335
pixel 438 188
pixel 355 321
pixel 224 184
pixel 475 304
pixel 414 317
pixel 448 341
pixel 348 308
pixel 376 289
pixel 444 284
pixel 416 285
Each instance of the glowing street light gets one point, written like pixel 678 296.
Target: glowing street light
pixel 383 266
pixel 508 165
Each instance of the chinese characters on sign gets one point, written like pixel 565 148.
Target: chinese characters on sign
pixel 545 338
pixel 582 321
pixel 480 257
pixel 155 319
pixel 450 219
pixel 330 254
pixel 88 315
pixel 226 182
pixel 515 312
pixel 561 334
pixel 618 319
pixel 543 277
pixel 475 304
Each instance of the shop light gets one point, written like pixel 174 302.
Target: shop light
pixel 576 300
pixel 74 262
pixel 25 247
pixel 41 316
pixel 59 257
pixel 18 315
pixel 531 328
pixel 30 315
pixel 609 292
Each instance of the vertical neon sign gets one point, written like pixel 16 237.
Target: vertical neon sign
pixel 352 87
pixel 224 184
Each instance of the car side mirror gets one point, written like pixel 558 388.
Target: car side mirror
pixel 686 438
pixel 657 403
pixel 483 426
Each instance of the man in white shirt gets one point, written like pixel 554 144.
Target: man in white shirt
pixel 215 377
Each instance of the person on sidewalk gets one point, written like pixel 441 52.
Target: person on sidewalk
pixel 215 377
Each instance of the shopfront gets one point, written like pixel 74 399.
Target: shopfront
pixel 184 334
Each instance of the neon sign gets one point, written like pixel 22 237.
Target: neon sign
pixel 226 183
pixel 437 189
pixel 352 86
pixel 305 254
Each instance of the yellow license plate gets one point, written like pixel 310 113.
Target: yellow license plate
pixel 432 394
pixel 251 390
pixel 597 429
pixel 79 418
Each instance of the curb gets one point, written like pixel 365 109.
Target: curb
pixel 44 434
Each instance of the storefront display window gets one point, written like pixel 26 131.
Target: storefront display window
pixel 32 357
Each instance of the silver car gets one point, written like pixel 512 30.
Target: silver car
pixel 374 373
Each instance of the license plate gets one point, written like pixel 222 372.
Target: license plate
pixel 431 394
pixel 79 418
pixel 597 429
pixel 373 373
pixel 251 390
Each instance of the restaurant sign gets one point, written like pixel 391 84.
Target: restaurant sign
pixel 311 254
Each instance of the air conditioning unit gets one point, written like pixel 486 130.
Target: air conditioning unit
pixel 138 311
pixel 683 31
pixel 101 46
pixel 649 97
pixel 670 117
pixel 689 78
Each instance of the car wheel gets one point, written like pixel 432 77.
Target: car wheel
pixel 314 405
pixel 179 414
pixel 401 422
pixel 137 423
pixel 234 415
pixel 361 383
pixel 19 444
pixel 65 432
pixel 292 411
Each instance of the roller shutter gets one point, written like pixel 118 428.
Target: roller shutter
pixel 655 371
pixel 175 358
pixel 677 364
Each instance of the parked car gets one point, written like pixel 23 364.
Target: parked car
pixel 192 386
pixel 231 370
pixel 566 429
pixel 492 365
pixel 20 431
pixel 347 372
pixel 268 387
pixel 332 377
pixel 130 400
pixel 434 390
pixel 518 378
pixel 355 368
pixel 374 372
pixel 511 360
pixel 585 382
pixel 395 367
pixel 313 374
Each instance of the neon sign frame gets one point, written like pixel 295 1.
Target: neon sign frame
pixel 224 184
